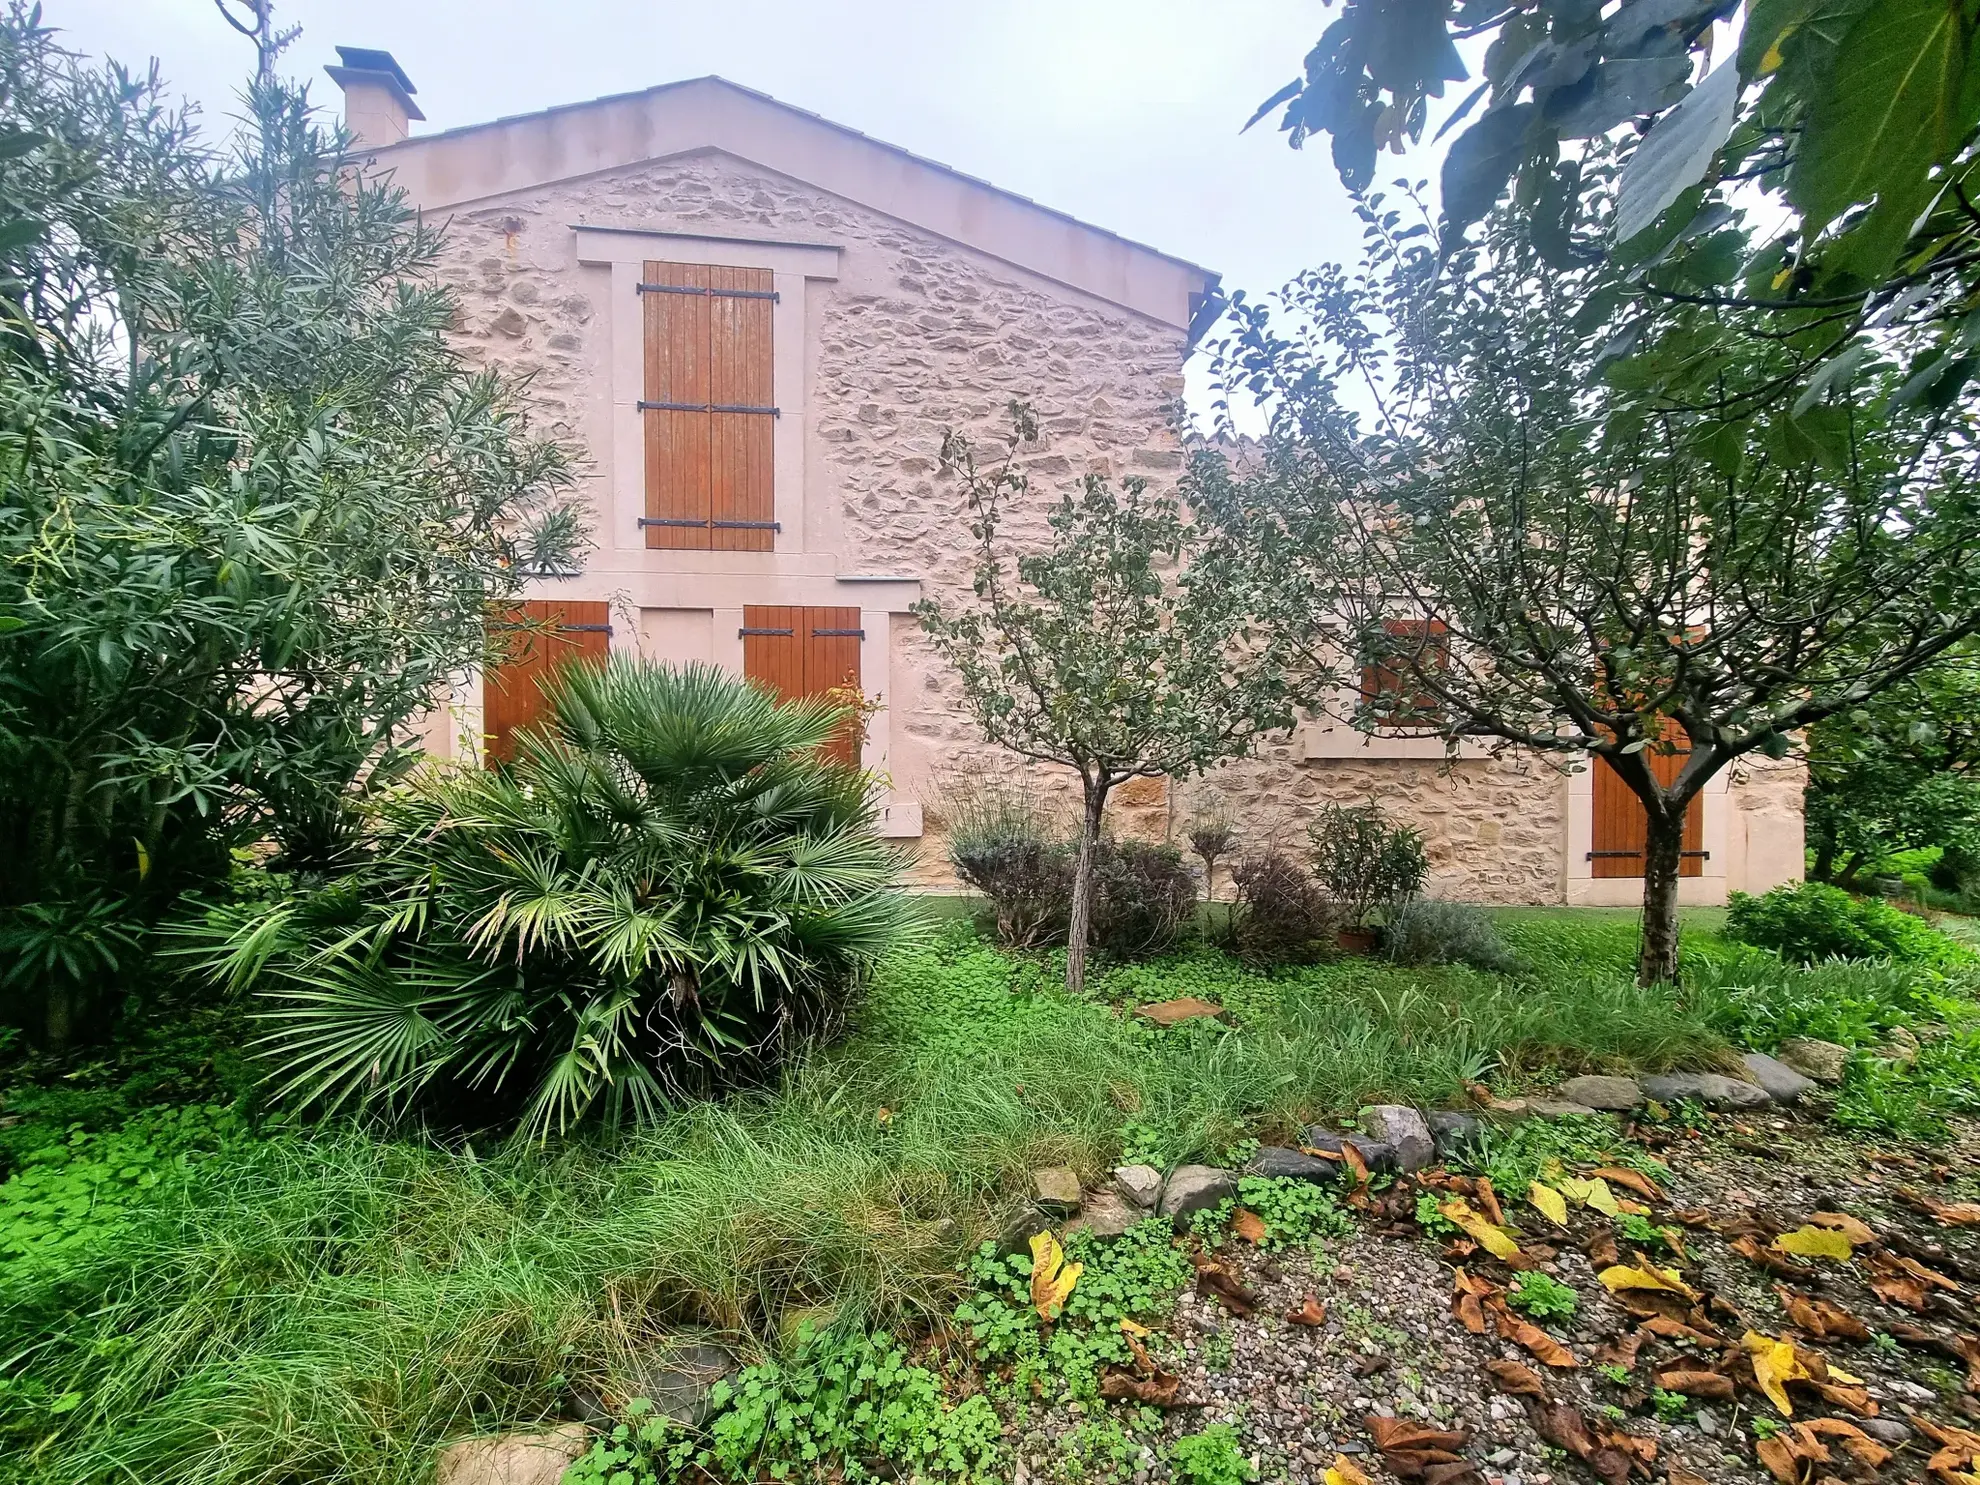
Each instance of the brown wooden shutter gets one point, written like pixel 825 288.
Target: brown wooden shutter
pixel 1622 828
pixel 1386 685
pixel 708 407
pixel 799 652
pixel 512 688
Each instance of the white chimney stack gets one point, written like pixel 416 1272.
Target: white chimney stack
pixel 378 105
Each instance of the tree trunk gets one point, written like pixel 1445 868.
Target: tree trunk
pixel 1082 903
pixel 1663 847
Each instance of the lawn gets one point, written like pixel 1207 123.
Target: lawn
pixel 188 1299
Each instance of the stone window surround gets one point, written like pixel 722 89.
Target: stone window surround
pixel 1582 888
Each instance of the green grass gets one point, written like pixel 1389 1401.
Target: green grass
pixel 324 1305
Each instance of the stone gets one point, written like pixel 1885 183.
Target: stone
pixel 1599 1091
pixel 1825 1062
pixel 1374 1154
pixel 1293 1165
pixel 680 1380
pixel 1886 1430
pixel 1714 1090
pixel 513 1458
pixel 1900 1046
pixel 509 322
pixel 1710 1424
pixel 1140 1184
pixel 1454 1133
pixel 1056 1189
pixel 1175 1012
pixel 1195 1188
pixel 1783 1083
pixel 1105 1214
pixel 1404 1131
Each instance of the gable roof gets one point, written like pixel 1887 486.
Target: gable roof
pixel 470 164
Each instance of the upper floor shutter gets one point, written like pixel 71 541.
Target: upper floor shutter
pixel 1388 685
pixel 707 407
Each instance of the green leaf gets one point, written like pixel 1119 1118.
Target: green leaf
pixel 1677 152
pixel 1836 371
pixel 1479 164
pixel 1893 107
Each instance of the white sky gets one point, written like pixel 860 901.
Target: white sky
pixel 1124 113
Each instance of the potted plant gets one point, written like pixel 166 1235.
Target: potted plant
pixel 1367 865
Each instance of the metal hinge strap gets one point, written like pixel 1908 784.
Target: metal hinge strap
pixel 1637 855
pixel 701 525
pixel 781 633
pixel 838 634
pixel 770 294
pixel 707 407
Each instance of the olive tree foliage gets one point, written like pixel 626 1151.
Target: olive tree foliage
pixel 254 506
pixel 1122 647
pixel 1855 119
pixel 1612 537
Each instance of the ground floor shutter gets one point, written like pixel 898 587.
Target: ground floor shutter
pixel 559 633
pixel 1622 828
pixel 799 652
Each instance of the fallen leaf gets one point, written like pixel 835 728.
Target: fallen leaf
pixel 1525 1333
pixel 1467 1294
pixel 1850 1227
pixel 1411 1450
pixel 1494 1240
pixel 1695 1217
pixel 1549 1202
pixel 1775 1364
pixel 1218 1282
pixel 1855 1398
pixel 1052 1278
pixel 1696 1383
pixel 1248 1225
pixel 1357 1167
pixel 1905 1281
pixel 1634 1180
pixel 1815 1242
pixel 1748 1247
pixel 1821 1319
pixel 1865 1450
pixel 1344 1471
pixel 1678 1330
pixel 1563 1427
pixel 1679 1475
pixel 1592 1192
pixel 1162 1390
pixel 1644 1275
pixel 1516 1380
pixel 1312 1312
pixel 1785 1452
pixel 1488 1199
pixel 1947 1214
pixel 1622 1350
pixel 1601 1248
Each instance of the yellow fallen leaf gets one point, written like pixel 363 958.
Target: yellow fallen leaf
pixel 1837 1374
pixel 1128 1327
pixel 1644 1275
pixel 1858 1232
pixel 1052 1278
pixel 1344 1471
pixel 1815 1242
pixel 1775 1364
pixel 1494 1240
pixel 1592 1192
pixel 1551 1204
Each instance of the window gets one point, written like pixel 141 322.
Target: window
pixel 1388 687
pixel 707 407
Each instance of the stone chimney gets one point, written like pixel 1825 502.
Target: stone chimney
pixel 378 106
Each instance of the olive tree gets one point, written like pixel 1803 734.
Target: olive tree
pixel 1122 647
pixel 1584 524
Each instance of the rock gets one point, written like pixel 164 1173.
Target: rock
pixel 1140 1184
pixel 1056 1190
pixel 1174 1012
pixel 1900 1047
pixel 1195 1188
pixel 1783 1083
pixel 509 322
pixel 1714 1090
pixel 513 1458
pixel 1454 1133
pixel 1886 1430
pixel 1825 1062
pixel 1404 1131
pixel 1374 1154
pixel 1292 1165
pixel 1105 1214
pixel 679 1382
pixel 1619 1095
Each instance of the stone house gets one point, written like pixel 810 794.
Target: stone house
pixel 754 325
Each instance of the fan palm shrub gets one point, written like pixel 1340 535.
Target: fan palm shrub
pixel 668 887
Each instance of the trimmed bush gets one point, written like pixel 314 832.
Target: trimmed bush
pixel 1810 921
pixel 1364 863
pixel 1144 897
pixel 665 892
pixel 1280 916
pixel 1429 931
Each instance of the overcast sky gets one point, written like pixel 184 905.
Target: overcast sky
pixel 1122 112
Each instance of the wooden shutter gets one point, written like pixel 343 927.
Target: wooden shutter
pixel 512 688
pixel 1622 828
pixel 798 652
pixel 1386 683
pixel 708 408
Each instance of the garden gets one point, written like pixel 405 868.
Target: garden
pixel 612 1115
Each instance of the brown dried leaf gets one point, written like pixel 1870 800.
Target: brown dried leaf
pixel 1819 1318
pixel 1249 1225
pixel 1218 1282
pixel 1865 1450
pixel 1697 1384
pixel 1635 1180
pixel 1357 1167
pixel 1489 1200
pixel 1523 1332
pixel 1748 1247
pixel 1516 1380
pixel 1622 1350
pixel 1159 1391
pixel 1405 1433
pixel 1310 1312
pixel 1700 1217
pixel 1947 1214
pixel 1601 1248
pixel 1858 1232
pixel 1467 1296
pixel 1856 1399
pixel 1679 1475
pixel 1563 1427
pixel 1677 1330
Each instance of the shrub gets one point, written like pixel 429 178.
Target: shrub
pixel 1144 897
pixel 1363 862
pixel 1279 916
pixel 1430 931
pixel 1212 837
pixel 666 888
pixel 1211 1457
pixel 1809 921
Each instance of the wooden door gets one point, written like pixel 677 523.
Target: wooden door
pixel 1622 828
pixel 802 651
pixel 560 633
pixel 707 407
